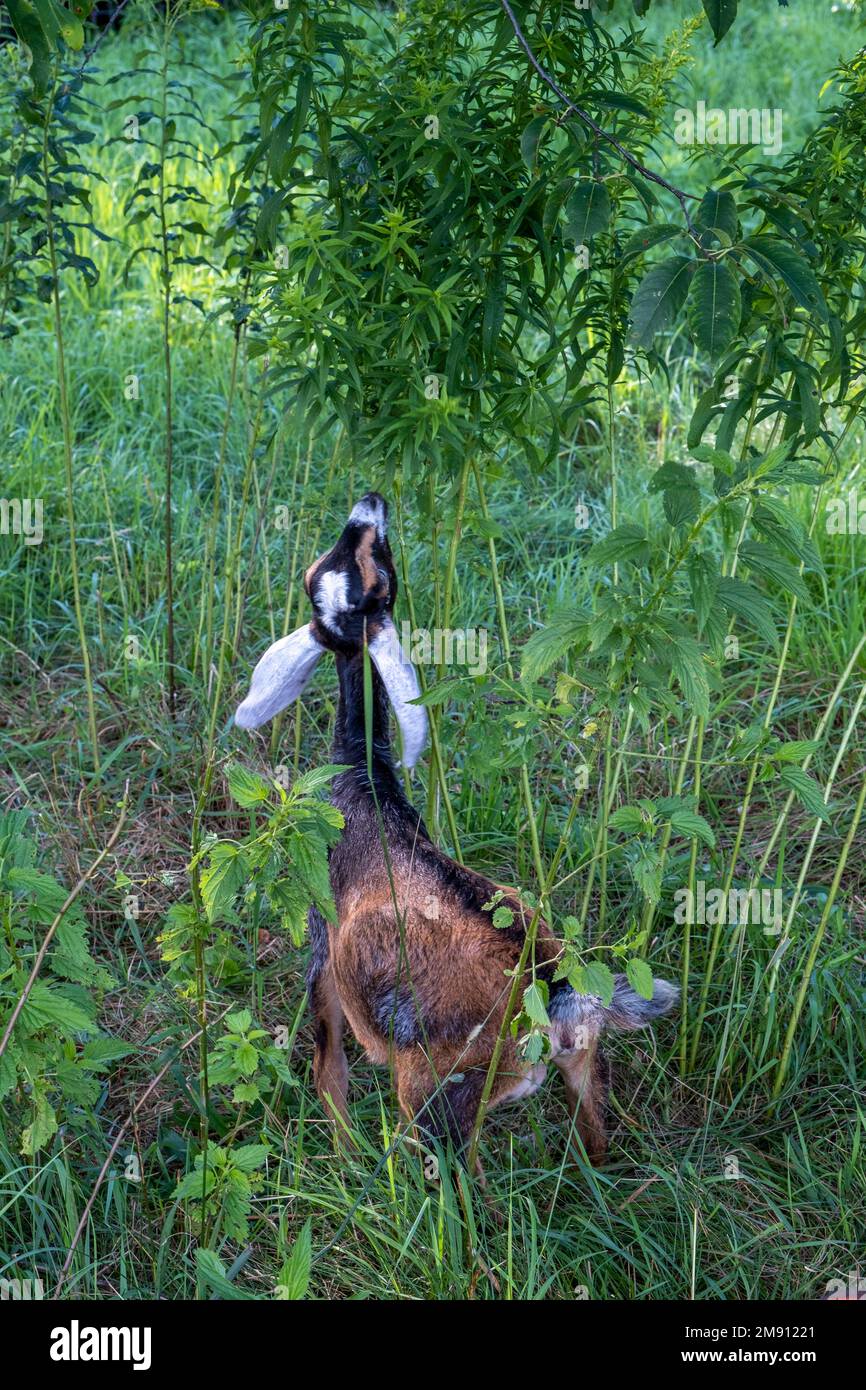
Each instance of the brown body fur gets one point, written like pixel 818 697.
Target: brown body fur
pixel 422 976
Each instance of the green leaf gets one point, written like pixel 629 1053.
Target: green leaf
pixel 223 879
pixel 98 1053
pixel 640 977
pixel 630 819
pixel 529 141
pixel 762 560
pixel 294 1280
pixel 48 895
pixel 807 790
pixel 48 1007
pixel 703 578
pixel 779 524
pixel 718 210
pixel 703 413
pixel 247 787
pixel 778 261
pixel 534 1005
pixel 246 1093
pixel 692 826
pixel 240 1022
pixel 316 778
pixel 626 542
pixel 595 978
pixel 721 14
pixel 587 211
pixel 648 237
pixel 682 505
pixel 746 602
pixel 26 23
pixel 566 628
pixel 714 307
pixel 659 298
pixel 212 1273
pixel 687 664
pixel 37 1134
pixel 793 751
pixel 647 873
pixel 249 1157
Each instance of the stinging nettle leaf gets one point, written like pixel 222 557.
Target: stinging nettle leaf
pixel 807 789
pixel 640 977
pixel 746 602
pixel 627 542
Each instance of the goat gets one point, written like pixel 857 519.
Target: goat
pixel 416 965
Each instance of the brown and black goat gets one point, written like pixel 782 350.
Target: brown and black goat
pixel 416 966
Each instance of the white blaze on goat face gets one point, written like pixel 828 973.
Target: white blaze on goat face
pixel 332 597
pixel 370 511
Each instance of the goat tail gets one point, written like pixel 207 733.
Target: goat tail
pixel 575 1016
pixel 628 1009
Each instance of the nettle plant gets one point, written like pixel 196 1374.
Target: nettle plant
pixel 270 877
pixel 51 1062
pixel 238 888
pixel 474 246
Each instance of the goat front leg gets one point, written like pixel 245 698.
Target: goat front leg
pixel 330 1068
pixel 586 1074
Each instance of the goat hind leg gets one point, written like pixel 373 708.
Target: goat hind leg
pixel 586 1074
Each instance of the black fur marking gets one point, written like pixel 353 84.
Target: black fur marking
pixel 319 946
pixel 395 1012
pixel 395 1016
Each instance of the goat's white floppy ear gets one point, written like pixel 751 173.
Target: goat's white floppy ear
pixel 279 677
pixel 401 682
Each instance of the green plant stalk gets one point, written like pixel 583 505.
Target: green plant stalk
pixel 167 364
pixel 607 805
pixel 608 737
pixel 66 422
pixel 819 732
pixel 206 610
pixel 602 848
pixel 201 980
pixel 310 555
pixel 296 542
pixel 687 934
pixel 649 907
pixel 436 749
pixel 433 714
pixel 227 652
pixel 249 477
pixel 785 1059
pixel 216 696
pixel 451 567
